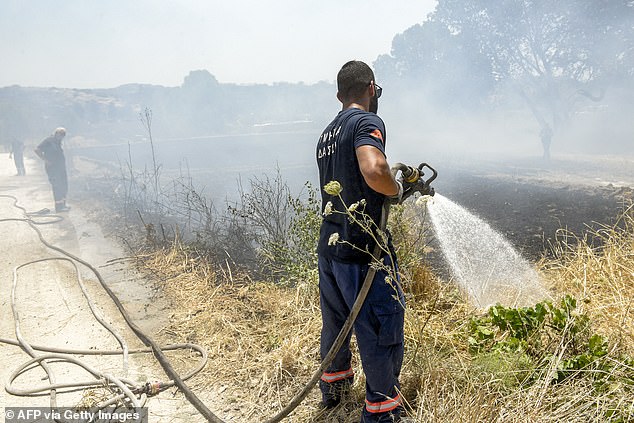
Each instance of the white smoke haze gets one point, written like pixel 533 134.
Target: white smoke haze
pixel 442 102
pixel 96 44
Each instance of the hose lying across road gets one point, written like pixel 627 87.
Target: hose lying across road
pixel 56 353
pixel 128 388
pixel 151 388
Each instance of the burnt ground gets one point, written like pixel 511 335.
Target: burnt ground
pixel 530 201
pixel 523 197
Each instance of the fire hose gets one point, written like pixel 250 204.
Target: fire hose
pixel 128 388
pixel 412 180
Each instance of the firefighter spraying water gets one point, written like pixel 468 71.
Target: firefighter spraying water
pixel 355 283
pixel 354 291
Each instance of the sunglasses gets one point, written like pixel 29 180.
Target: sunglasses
pixel 377 89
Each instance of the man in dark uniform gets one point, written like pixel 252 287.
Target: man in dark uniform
pixel 351 151
pixel 50 150
pixel 17 151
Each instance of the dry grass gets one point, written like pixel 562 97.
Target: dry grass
pixel 600 276
pixel 263 340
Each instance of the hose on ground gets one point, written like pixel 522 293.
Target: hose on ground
pixel 64 353
pixel 125 350
pixel 91 304
pixel 176 380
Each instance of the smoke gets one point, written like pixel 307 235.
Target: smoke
pixel 420 128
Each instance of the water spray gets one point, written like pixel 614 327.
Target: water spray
pixel 482 261
pixel 485 264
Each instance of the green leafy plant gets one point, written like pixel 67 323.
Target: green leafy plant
pixel 546 333
pixel 294 256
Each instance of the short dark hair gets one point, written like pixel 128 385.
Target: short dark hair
pixel 353 78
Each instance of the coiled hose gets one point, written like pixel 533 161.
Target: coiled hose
pixel 176 380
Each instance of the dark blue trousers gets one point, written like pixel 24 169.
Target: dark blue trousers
pixel 378 330
pixel 59 181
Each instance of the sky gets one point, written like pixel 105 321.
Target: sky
pixel 107 43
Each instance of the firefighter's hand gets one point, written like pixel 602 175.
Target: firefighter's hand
pixel 398 197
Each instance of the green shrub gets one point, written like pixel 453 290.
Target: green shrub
pixel 547 335
pixel 293 256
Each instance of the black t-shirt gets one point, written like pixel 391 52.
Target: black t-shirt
pixel 337 161
pixel 51 149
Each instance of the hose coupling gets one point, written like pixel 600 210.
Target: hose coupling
pixel 152 388
pixel 412 176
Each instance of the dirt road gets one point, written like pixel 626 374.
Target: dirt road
pixel 52 310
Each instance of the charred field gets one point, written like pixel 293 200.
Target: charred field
pixel 532 202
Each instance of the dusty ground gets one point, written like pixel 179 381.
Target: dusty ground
pixel 53 311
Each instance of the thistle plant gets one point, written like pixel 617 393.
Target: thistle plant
pixel 356 214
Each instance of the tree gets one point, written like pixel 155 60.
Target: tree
pixel 555 54
pixel 446 67
pixel 554 57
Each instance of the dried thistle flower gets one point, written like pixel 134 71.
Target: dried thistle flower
pixel 333 238
pixel 328 208
pixel 353 207
pixel 333 188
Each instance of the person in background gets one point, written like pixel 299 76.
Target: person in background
pixel 50 150
pixel 546 135
pixel 351 151
pixel 17 152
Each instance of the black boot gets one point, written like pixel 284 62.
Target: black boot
pixel 331 393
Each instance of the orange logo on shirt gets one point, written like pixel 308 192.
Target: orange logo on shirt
pixel 377 134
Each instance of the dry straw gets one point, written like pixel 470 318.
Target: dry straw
pixel 598 269
pixel 263 338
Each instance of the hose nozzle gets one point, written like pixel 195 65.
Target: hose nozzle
pixel 413 179
pixel 411 175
